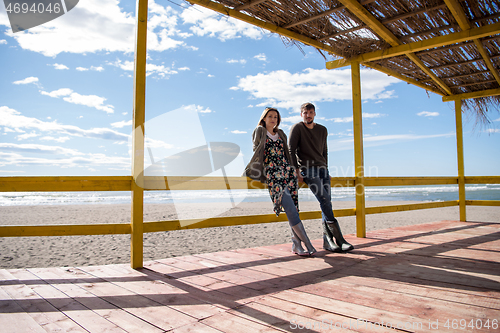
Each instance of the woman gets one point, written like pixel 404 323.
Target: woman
pixel 270 165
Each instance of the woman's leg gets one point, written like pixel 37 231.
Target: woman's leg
pixel 298 231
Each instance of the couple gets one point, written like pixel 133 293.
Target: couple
pixel 281 166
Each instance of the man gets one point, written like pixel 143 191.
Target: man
pixel 309 154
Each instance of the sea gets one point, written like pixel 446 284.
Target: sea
pixel 423 193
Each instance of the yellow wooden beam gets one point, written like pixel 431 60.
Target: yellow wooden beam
pixel 487 60
pixel 371 21
pixel 402 77
pixel 463 22
pixel 159 226
pixel 409 181
pixel 264 25
pixel 407 207
pixel 482 179
pixel 139 110
pixel 413 57
pixel 460 159
pixel 482 202
pixel 65 184
pixel 475 94
pixel 375 25
pixel 458 13
pixel 426 44
pixel 359 165
pixel 64 230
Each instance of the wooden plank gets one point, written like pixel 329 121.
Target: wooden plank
pixel 46 315
pixel 114 314
pixel 227 322
pixel 416 289
pixel 227 294
pixel 280 318
pixel 195 328
pixel 13 319
pixel 139 305
pixel 275 282
pixel 430 308
pixel 72 308
pixel 164 293
pixel 358 313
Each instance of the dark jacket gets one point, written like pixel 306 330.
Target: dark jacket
pixel 255 168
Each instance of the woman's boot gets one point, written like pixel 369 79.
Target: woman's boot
pixel 328 243
pixel 297 246
pixel 299 230
pixel 334 229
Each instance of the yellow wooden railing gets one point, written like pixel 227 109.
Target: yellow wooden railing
pixel 125 183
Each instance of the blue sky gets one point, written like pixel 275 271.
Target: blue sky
pixel 66 97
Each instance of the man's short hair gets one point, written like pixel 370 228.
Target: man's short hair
pixel 307 106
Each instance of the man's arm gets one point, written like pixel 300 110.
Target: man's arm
pixel 325 149
pixel 293 142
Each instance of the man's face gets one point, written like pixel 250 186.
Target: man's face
pixel 308 115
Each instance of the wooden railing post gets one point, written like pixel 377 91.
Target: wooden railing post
pixel 460 158
pixel 358 150
pixel 137 209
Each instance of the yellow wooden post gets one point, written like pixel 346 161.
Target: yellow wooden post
pixel 358 150
pixel 460 158
pixel 137 228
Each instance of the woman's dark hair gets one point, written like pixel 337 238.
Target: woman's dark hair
pixel 264 115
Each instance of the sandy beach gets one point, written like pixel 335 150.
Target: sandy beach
pixel 27 252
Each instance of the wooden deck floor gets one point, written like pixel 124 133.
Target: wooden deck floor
pixel 436 277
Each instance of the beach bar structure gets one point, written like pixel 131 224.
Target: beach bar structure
pixel 447 47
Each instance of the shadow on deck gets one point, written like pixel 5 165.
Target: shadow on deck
pixel 441 276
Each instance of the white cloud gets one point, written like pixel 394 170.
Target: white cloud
pixel 428 114
pixel 37 148
pixel 291 119
pixel 58 93
pixel 51 138
pixel 27 80
pixel 100 25
pixel 121 124
pixel 27 136
pixel 71 158
pixel 97 69
pixel 3 41
pixel 261 57
pixel 75 98
pixel 380 140
pixel 200 109
pixel 15 120
pixel 184 69
pixel 234 61
pixel 350 119
pixel 289 90
pixel 82 69
pixel 209 23
pixel 493 130
pixel 238 132
pixel 159 70
pixel 60 66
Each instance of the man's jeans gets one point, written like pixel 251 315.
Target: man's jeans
pixel 318 180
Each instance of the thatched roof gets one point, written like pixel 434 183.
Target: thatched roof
pixel 460 52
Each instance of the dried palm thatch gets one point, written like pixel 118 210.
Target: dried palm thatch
pixel 350 28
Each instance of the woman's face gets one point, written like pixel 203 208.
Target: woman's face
pixel 271 119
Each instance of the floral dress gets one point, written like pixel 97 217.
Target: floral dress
pixel 279 174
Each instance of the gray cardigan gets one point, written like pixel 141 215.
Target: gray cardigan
pixel 255 168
